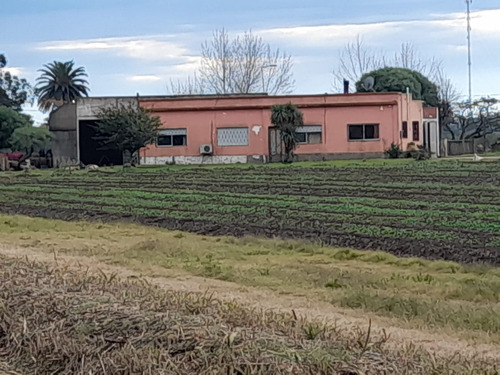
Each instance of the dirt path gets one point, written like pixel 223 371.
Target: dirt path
pixel 441 345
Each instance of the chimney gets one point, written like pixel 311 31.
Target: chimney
pixel 346 86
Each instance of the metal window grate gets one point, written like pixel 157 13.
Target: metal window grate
pixel 232 136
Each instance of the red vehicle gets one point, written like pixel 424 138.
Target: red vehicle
pixel 14 159
pixel 15 156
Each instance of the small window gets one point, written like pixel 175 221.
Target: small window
pixel 356 132
pixel 232 136
pixel 301 137
pixel 172 137
pixel 404 133
pixel 363 132
pixel 416 131
pixel 309 134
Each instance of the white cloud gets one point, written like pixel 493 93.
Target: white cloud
pixel 190 66
pixel 152 48
pixel 484 23
pixel 144 78
pixel 14 70
pixel 460 49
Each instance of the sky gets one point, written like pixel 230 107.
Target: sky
pixel 138 46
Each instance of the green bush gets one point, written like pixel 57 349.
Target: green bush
pixel 420 154
pixel 393 152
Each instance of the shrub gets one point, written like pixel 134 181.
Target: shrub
pixel 393 152
pixel 421 153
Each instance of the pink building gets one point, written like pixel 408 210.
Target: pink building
pixel 237 129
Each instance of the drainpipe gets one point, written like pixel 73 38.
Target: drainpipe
pixel 408 111
pixel 77 133
pixel 438 138
pixel 323 140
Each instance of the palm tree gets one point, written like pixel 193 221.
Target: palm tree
pixel 60 83
pixel 287 117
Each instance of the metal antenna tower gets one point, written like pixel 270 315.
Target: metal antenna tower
pixel 469 49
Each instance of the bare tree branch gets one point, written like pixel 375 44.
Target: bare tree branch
pixel 477 119
pixel 190 86
pixel 245 64
pixel 354 61
pixel 448 97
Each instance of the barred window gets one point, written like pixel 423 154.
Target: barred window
pixel 405 129
pixel 309 134
pixel 232 136
pixel 416 131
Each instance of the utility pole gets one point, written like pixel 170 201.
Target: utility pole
pixel 469 49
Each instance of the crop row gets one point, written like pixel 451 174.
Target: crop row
pixel 303 178
pixel 485 218
pixel 305 203
pixel 415 193
pixel 448 229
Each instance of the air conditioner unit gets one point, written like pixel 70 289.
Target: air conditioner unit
pixel 206 149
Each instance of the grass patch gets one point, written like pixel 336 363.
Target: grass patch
pixel 432 313
pixel 59 321
pixel 456 299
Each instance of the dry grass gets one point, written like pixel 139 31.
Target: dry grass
pixel 70 321
pixel 462 301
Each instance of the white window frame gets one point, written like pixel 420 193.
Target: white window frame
pixel 310 129
pixel 171 133
pixel 364 139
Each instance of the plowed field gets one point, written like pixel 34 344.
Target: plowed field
pixel 435 210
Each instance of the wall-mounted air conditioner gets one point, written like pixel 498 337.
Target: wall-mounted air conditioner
pixel 206 149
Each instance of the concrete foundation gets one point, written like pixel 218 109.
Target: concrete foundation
pixel 184 160
pixel 339 156
pixel 254 159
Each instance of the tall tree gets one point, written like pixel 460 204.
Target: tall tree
pixel 60 83
pixel 477 119
pixel 190 86
pixel 287 118
pixel 30 139
pixel 241 65
pixel 126 128
pixel 17 133
pixel 356 59
pixel 398 80
pixel 14 91
pixel 10 120
pixel 448 100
